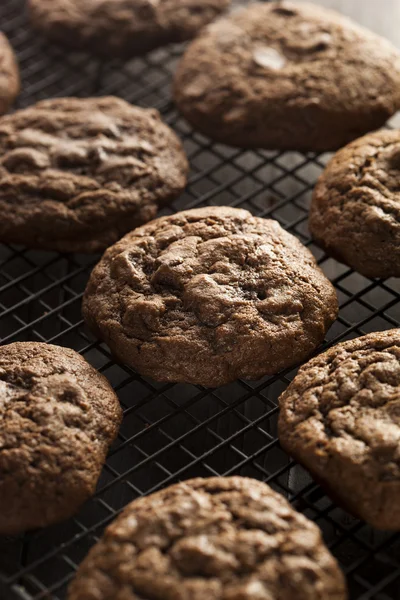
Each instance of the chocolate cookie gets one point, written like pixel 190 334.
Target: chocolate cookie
pixel 58 417
pixel 9 75
pixel 76 174
pixel 122 28
pixel 355 211
pixel 288 75
pixel 209 295
pixel 210 539
pixel 340 418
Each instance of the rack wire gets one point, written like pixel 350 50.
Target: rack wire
pixel 174 432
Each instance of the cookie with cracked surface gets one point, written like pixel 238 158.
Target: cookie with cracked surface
pixel 122 28
pixel 355 210
pixel 77 174
pixel 9 75
pixel 58 418
pixel 287 75
pixel 221 538
pixel 340 418
pixel 209 295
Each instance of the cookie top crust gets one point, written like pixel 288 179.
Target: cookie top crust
pixel 216 539
pixel 122 28
pixel 77 174
pixel 209 295
pixel 58 416
pixel 355 211
pixel 287 75
pixel 340 417
pixel 9 75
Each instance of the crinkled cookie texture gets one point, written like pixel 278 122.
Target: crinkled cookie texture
pixel 287 75
pixel 58 417
pixel 77 174
pixel 9 75
pixel 209 295
pixel 122 28
pixel 210 539
pixel 340 418
pixel 355 211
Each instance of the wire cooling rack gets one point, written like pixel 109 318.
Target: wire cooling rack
pixel 174 432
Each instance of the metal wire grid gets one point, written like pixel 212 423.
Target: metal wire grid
pixel 173 432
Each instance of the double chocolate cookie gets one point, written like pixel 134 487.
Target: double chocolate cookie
pixel 287 75
pixel 122 28
pixel 58 418
pixel 209 295
pixel 210 539
pixel 77 174
pixel 355 210
pixel 9 75
pixel 340 418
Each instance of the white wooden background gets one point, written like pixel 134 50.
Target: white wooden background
pixel 382 16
